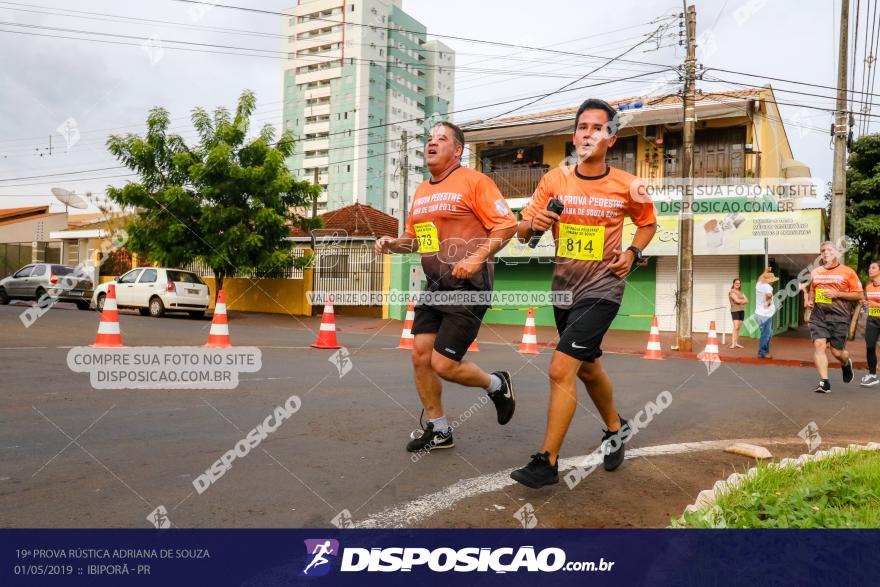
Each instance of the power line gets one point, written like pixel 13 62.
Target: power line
pixel 779 79
pixel 560 89
pixel 355 130
pixel 783 90
pixel 122 18
pixel 314 59
pixel 402 30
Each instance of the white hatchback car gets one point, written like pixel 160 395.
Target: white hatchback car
pixel 156 290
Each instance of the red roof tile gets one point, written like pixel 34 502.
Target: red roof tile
pixel 357 220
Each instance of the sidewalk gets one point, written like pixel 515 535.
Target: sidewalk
pixel 792 348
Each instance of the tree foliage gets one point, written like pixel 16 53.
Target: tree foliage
pixel 227 200
pixel 863 198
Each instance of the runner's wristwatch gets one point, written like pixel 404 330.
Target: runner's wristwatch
pixel 637 252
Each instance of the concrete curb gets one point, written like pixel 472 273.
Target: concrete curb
pixel 706 499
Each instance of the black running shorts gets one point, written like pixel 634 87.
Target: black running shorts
pixel 583 326
pixel 835 333
pixel 456 327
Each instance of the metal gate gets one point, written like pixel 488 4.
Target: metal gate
pixel 343 270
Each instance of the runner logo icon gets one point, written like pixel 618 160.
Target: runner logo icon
pixel 318 549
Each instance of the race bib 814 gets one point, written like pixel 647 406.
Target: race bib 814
pixel 584 243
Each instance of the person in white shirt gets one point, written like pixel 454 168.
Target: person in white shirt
pixel 765 308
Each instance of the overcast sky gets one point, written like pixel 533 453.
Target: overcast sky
pixel 92 88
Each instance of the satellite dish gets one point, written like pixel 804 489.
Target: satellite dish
pixel 69 198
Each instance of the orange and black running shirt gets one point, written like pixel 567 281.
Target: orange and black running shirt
pixel 872 293
pixel 451 219
pixel 590 227
pixel 840 278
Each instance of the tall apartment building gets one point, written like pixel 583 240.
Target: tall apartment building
pixel 358 74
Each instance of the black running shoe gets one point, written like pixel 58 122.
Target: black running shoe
pixel 538 473
pixel 614 445
pixel 847 371
pixel 823 387
pixel 504 400
pixel 430 440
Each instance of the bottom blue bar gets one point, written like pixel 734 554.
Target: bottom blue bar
pixel 429 557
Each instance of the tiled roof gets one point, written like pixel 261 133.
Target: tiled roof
pixel 10 215
pixel 357 220
pixel 648 101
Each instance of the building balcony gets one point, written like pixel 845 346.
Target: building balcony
pixel 316 127
pixel 323 92
pixel 656 174
pixel 517 182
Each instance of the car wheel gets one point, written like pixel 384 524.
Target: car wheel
pixel 157 308
pixel 38 295
pixel 83 305
pixel 99 303
pixel 4 299
pixel 197 315
pixel 144 311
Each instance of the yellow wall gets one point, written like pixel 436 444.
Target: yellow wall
pixel 271 296
pixel 774 143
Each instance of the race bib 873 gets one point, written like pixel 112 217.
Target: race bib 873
pixel 429 239
pixel 584 243
pixel 874 311
pixel 822 297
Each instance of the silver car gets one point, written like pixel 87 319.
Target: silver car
pixel 48 280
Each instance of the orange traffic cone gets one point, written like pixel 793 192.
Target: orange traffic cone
pixel 406 337
pixel 218 336
pixel 473 348
pixel 327 332
pixel 654 351
pixel 109 335
pixel 710 353
pixel 529 344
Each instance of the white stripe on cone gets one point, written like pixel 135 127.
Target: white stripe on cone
pixel 407 333
pixel 654 346
pixel 530 338
pixel 108 328
pixel 328 327
pixel 110 304
pixel 220 309
pixel 219 329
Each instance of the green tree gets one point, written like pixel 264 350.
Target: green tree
pixel 227 200
pixel 863 198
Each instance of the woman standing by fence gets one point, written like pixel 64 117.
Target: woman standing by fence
pixel 738 301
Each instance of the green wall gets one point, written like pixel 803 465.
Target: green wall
pixel 636 310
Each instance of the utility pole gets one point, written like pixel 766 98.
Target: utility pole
pixel 404 178
pixel 314 213
pixel 315 199
pixel 684 341
pixel 838 181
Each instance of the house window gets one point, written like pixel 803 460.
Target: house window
pixel 351 8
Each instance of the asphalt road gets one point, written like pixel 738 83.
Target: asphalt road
pixel 74 456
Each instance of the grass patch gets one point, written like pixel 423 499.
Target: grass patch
pixel 841 491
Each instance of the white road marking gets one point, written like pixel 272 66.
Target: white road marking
pixel 22 348
pixel 285 347
pixel 427 505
